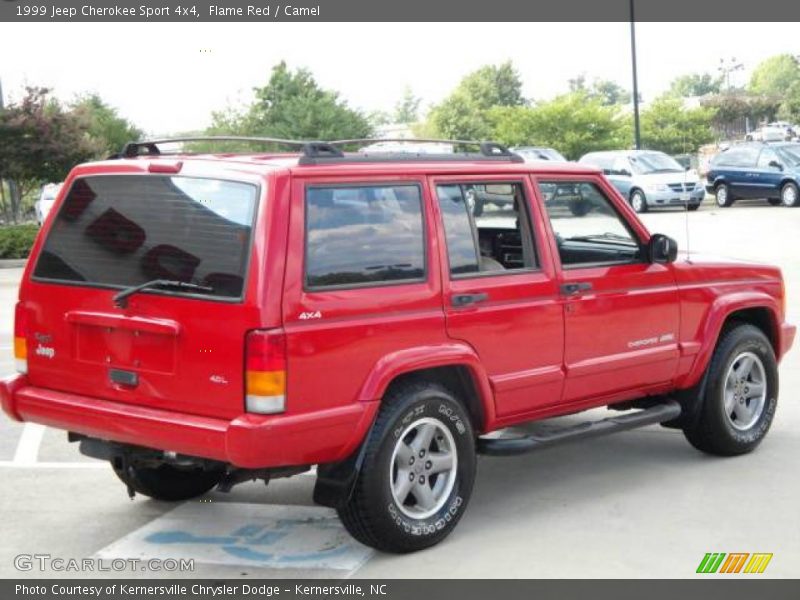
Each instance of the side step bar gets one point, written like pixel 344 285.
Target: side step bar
pixel 520 445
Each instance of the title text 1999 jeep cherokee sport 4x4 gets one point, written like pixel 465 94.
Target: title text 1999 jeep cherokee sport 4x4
pixel 202 320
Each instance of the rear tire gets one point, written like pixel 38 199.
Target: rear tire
pixel 774 201
pixel 418 426
pixel 741 394
pixel 168 483
pixel 723 195
pixel 790 196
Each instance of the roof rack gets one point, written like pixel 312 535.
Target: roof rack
pixel 150 147
pixel 319 152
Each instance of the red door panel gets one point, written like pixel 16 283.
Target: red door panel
pixel 515 323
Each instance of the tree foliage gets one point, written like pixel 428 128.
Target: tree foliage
pixel 407 109
pixel 695 84
pixel 775 75
pixel 104 124
pixel 574 124
pixel 292 105
pixel 607 91
pixel 463 114
pixel 40 141
pixel 668 126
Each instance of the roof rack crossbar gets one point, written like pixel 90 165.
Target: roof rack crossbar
pixel 150 147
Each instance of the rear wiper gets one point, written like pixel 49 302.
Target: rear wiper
pixel 121 299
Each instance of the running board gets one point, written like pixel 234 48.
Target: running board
pixel 520 445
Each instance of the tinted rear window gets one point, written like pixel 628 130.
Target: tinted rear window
pixel 124 230
pixel 364 235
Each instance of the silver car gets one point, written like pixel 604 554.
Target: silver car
pixel 649 179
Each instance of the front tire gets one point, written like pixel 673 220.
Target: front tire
pixel 774 201
pixel 167 482
pixel 638 201
pixel 741 394
pixel 723 195
pixel 418 471
pixel 789 195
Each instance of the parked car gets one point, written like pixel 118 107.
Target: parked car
pixel 790 131
pixel 201 321
pixel 768 133
pixel 648 179
pixel 756 170
pixel 535 153
pixel 47 197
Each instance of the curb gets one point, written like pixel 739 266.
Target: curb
pixel 13 263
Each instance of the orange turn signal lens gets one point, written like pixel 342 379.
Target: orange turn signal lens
pixel 20 348
pixel 266 383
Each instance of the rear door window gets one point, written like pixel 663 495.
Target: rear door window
pixel 364 235
pixel 125 230
pixel 487 228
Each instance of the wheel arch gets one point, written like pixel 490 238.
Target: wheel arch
pixel 758 309
pixel 455 365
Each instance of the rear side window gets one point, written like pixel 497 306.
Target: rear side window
pixel 364 235
pixel 125 230
pixel 738 157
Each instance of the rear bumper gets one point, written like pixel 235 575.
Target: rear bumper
pixel 248 441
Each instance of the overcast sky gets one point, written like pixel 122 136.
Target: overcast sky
pixel 169 77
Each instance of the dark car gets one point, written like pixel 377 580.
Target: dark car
pixel 757 170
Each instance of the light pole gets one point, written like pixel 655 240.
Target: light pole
pixel 726 68
pixel 637 137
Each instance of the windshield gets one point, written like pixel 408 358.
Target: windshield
pixel 125 230
pixel 655 162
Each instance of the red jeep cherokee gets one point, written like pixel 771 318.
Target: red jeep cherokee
pixel 201 320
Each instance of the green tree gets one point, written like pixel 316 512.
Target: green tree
pixel 695 84
pixel 671 128
pixel 775 75
pixel 40 142
pixel 104 124
pixel 407 109
pixel 464 113
pixel 609 92
pixel 291 105
pixel 573 123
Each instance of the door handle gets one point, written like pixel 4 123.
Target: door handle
pixel 467 299
pixel 570 289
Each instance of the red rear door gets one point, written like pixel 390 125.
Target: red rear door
pixel 501 293
pixel 168 348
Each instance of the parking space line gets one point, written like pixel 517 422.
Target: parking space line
pixel 28 446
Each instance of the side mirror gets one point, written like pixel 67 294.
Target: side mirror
pixel 776 164
pixel 662 249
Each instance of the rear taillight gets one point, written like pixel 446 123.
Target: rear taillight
pixel 265 372
pixel 21 338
